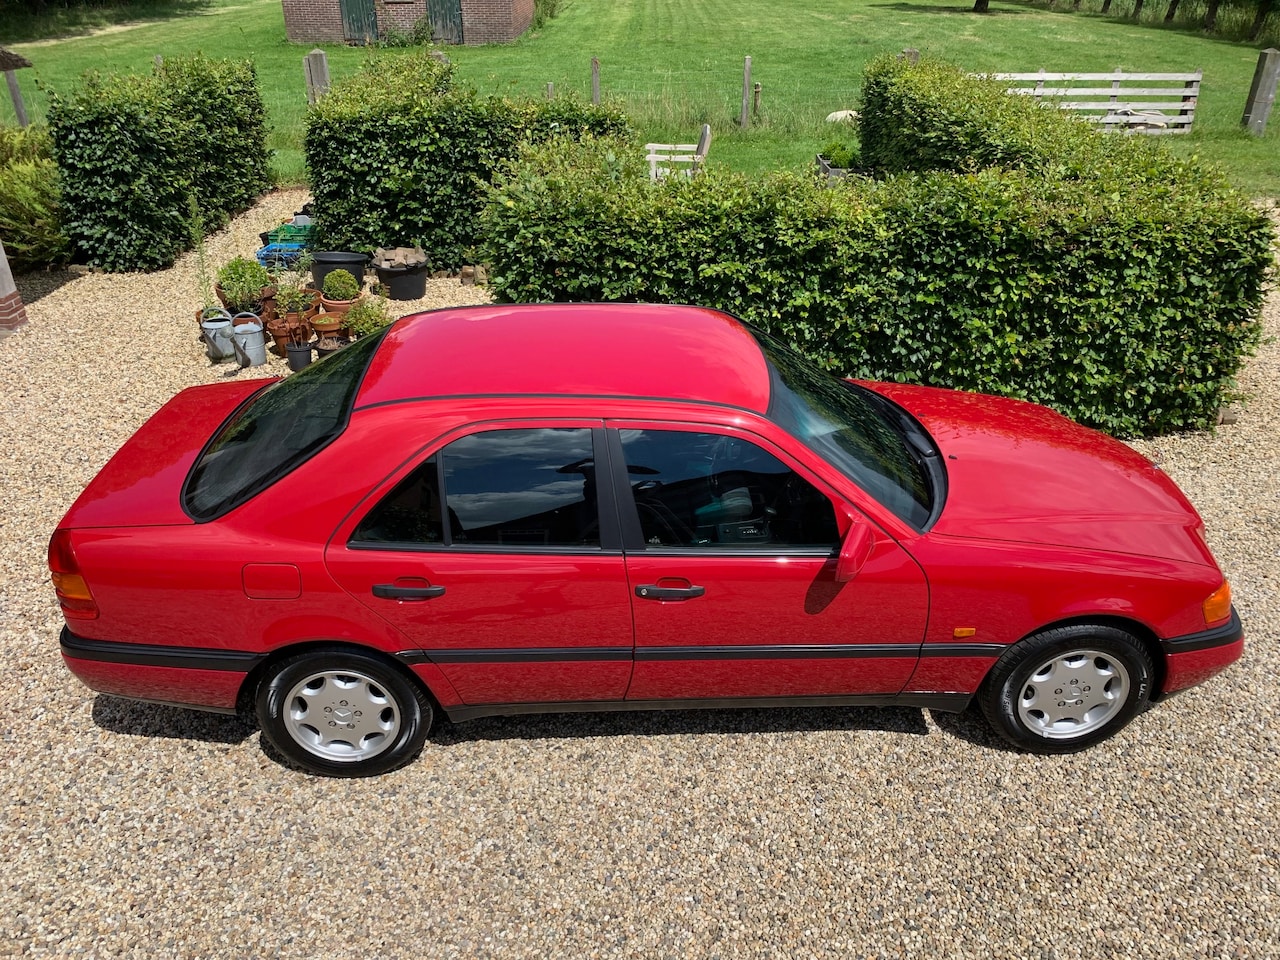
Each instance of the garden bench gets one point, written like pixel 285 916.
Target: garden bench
pixel 687 158
pixel 1153 103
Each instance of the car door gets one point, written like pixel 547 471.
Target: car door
pixel 491 558
pixel 732 550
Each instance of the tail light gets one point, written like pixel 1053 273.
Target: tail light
pixel 1217 608
pixel 73 593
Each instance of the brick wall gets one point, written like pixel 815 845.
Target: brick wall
pixel 483 21
pixel 313 21
pixel 12 313
pixel 400 14
pixel 495 21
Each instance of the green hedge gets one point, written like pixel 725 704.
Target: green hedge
pixel 30 201
pixel 933 116
pixel 396 157
pixel 1130 312
pixel 133 149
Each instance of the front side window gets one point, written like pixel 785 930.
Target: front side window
pixel 509 488
pixel 715 490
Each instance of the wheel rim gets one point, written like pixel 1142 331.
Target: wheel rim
pixel 341 715
pixel 1073 694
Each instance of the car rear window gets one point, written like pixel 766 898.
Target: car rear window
pixel 276 430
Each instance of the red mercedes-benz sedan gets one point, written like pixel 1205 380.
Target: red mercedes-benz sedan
pixel 514 509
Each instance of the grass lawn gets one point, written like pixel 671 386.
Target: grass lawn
pixel 679 63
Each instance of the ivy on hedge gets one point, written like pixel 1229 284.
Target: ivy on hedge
pixel 131 150
pixel 1127 311
pixel 397 156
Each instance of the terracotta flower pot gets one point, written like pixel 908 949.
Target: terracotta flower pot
pixel 329 325
pixel 338 308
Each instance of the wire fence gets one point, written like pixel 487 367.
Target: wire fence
pixel 685 98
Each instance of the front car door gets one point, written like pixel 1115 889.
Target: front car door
pixel 731 555
pixel 498 559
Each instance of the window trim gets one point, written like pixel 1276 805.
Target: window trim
pixel 632 536
pixel 607 509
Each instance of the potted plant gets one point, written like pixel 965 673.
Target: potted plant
pixel 243 285
pixel 298 346
pixel 340 291
pixel 328 345
pixel 368 315
pixel 295 300
pixel 837 158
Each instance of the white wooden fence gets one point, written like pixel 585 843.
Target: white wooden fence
pixel 1154 103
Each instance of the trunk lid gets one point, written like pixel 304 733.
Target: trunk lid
pixel 141 484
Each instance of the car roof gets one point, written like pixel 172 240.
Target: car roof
pixel 659 351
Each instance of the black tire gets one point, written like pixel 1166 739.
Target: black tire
pixel 343 713
pixel 1067 688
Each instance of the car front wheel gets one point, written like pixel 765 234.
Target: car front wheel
pixel 343 713
pixel 1067 688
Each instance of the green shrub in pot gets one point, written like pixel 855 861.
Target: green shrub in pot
pixel 341 285
pixel 368 315
pixel 242 281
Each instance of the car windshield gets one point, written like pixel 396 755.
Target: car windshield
pixel 276 430
pixel 852 428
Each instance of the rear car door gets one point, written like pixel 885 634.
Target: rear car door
pixel 498 558
pixel 731 554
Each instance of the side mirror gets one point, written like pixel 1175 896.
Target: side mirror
pixel 854 551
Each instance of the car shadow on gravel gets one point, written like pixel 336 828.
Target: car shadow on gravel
pixel 157 720
pixel 682 723
pixel 972 726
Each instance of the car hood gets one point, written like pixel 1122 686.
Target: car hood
pixel 1020 472
pixel 142 484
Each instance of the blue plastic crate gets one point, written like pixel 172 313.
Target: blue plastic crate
pixel 275 256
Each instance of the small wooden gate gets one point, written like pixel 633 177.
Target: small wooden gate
pixel 359 20
pixel 446 20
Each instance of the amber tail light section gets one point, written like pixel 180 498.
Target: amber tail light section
pixel 1217 608
pixel 73 593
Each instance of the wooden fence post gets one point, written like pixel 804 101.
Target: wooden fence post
pixel 15 93
pixel 551 91
pixel 746 92
pixel 316 67
pixel 595 79
pixel 1262 94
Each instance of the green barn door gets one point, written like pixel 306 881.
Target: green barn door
pixel 446 20
pixel 359 20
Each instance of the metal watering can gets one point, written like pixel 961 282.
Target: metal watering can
pixel 215 331
pixel 248 340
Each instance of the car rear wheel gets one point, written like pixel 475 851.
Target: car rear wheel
pixel 343 713
pixel 1067 688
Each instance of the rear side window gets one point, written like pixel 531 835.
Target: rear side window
pixel 277 430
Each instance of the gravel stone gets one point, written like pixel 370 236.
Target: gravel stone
pixel 134 830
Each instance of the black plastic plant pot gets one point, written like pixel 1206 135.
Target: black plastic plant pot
pixel 404 283
pixel 299 355
pixel 324 262
pixel 338 344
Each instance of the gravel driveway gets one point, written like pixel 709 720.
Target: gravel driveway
pixel 135 830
